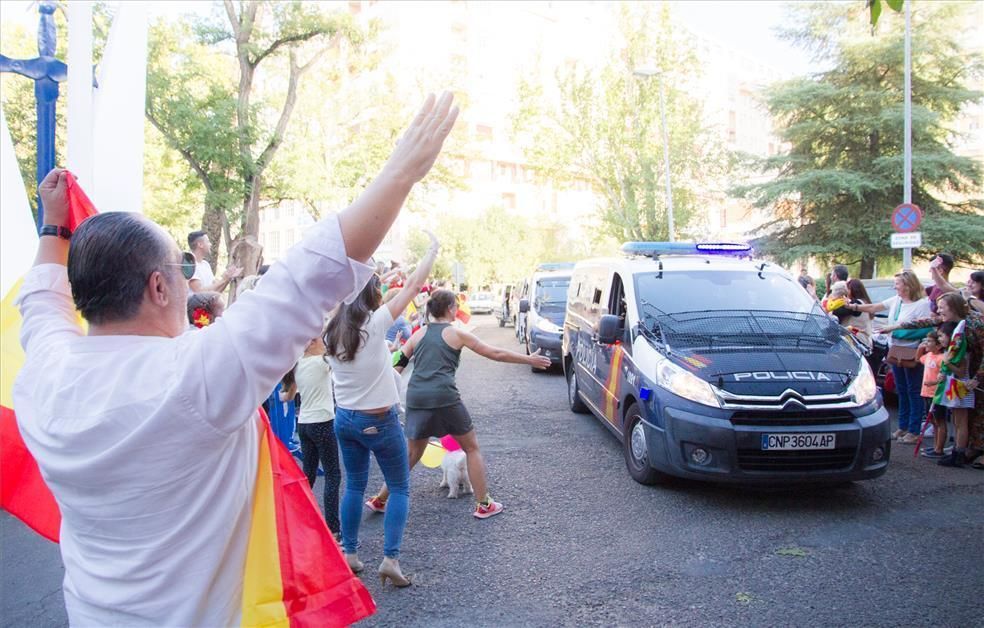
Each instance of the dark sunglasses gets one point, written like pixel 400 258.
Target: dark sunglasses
pixel 188 265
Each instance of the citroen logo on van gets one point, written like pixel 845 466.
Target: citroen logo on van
pixel 791 398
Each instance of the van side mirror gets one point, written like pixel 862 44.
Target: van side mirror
pixel 524 306
pixel 608 329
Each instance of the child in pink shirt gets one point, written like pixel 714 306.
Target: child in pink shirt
pixel 930 353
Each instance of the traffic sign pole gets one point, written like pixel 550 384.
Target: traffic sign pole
pixel 907 146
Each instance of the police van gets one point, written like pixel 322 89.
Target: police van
pixel 542 305
pixel 709 365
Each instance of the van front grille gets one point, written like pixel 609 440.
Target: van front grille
pixel 817 460
pixel 767 418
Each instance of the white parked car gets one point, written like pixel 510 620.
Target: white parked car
pixel 482 303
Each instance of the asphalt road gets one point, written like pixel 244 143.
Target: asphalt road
pixel 581 544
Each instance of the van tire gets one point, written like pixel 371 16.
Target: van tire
pixel 637 453
pixel 573 399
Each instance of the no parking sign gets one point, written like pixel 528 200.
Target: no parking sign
pixel 906 217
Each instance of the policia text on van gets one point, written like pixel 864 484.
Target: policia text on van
pixel 708 365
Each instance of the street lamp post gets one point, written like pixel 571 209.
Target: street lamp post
pixel 649 72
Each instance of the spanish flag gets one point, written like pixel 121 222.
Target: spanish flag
pixel 295 574
pixel 464 312
pixel 23 492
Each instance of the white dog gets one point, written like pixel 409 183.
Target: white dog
pixel 455 474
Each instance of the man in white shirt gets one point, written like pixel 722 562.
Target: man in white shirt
pixel 204 278
pixel 147 436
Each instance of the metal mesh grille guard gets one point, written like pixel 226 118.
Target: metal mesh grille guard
pixel 742 330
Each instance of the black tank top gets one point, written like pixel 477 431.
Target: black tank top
pixel 432 382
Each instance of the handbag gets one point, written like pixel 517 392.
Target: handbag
pixel 904 357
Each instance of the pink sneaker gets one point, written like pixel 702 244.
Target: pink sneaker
pixel 484 512
pixel 375 504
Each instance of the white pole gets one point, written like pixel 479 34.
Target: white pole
pixel 907 176
pixel 666 161
pixel 80 146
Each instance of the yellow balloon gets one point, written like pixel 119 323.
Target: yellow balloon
pixel 433 456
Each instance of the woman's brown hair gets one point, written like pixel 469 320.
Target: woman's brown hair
pixel 956 303
pixel 440 303
pixel 912 286
pixel 345 335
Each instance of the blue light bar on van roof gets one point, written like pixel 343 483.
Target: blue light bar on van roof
pixel 655 249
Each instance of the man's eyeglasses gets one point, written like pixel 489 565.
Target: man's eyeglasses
pixel 188 264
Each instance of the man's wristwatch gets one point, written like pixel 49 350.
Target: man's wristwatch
pixel 53 230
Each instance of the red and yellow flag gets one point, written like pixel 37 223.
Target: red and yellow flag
pixel 464 312
pixel 23 492
pixel 295 572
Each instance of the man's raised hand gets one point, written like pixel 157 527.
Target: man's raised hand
pixel 53 191
pixel 421 143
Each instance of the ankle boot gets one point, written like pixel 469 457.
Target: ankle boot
pixel 390 568
pixel 353 562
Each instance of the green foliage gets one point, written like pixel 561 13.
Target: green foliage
pixel 606 130
pixel 209 101
pixel 191 102
pixel 875 8
pixel 834 189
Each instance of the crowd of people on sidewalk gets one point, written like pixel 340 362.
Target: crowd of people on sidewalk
pixel 935 340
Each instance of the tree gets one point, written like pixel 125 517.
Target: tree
pixel 836 186
pixel 605 129
pixel 225 129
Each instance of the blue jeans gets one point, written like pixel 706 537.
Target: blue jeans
pixel 358 434
pixel 908 388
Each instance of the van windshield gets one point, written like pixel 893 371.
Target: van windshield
pixel 700 291
pixel 552 291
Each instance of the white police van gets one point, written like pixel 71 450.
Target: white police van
pixel 709 365
pixel 542 305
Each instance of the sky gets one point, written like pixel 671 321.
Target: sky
pixel 745 25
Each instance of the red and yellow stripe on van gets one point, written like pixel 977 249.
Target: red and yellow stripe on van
pixel 612 385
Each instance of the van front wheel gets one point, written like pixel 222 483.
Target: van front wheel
pixel 636 449
pixel 573 392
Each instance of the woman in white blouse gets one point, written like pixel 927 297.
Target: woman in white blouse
pixel 909 304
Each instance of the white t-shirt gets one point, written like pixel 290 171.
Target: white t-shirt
pixel 913 311
pixel 204 274
pixel 150 444
pixel 367 382
pixel 313 377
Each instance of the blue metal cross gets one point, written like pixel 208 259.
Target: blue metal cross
pixel 47 72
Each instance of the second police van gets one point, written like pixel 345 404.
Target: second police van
pixel 709 365
pixel 542 306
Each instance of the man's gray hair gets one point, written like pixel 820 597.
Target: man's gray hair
pixel 110 258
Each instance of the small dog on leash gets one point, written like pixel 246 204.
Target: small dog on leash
pixel 454 469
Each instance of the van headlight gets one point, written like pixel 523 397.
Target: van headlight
pixel 863 389
pixel 545 325
pixel 685 384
